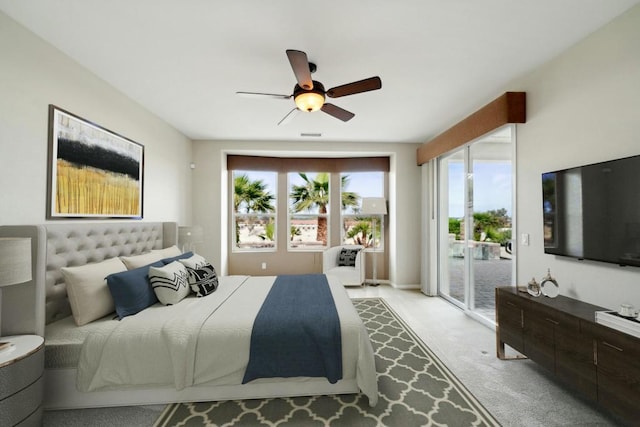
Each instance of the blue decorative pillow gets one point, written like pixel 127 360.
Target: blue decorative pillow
pixel 347 257
pixel 166 261
pixel 131 290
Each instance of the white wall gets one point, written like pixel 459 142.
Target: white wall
pixel 210 195
pixel 33 75
pixel 582 107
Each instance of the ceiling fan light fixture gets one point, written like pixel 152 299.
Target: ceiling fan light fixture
pixel 309 101
pixel 309 95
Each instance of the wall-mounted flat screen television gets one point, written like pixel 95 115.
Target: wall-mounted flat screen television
pixel 592 212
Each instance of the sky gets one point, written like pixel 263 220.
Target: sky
pixel 491 187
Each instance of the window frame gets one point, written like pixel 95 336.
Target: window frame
pixel 281 166
pixel 380 221
pixel 235 248
pixel 317 215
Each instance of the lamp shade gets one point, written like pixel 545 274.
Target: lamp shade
pixel 15 260
pixel 190 235
pixel 373 206
pixel 309 101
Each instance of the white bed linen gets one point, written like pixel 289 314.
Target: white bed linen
pixel 206 341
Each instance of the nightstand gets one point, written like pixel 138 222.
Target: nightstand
pixel 21 380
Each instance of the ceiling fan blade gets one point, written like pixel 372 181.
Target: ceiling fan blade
pixel 337 112
pixel 290 116
pixel 262 95
pixel 300 65
pixel 372 83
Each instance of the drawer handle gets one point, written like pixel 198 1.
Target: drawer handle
pixel 612 346
pixel 511 304
pixel 552 321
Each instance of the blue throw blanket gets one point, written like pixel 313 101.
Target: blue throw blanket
pixel 296 332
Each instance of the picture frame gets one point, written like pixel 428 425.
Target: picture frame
pixel 92 171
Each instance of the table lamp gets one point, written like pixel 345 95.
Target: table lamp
pixel 15 263
pixel 374 206
pixel 189 236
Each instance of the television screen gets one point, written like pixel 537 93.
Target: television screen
pixel 593 211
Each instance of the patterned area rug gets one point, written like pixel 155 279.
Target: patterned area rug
pixel 415 388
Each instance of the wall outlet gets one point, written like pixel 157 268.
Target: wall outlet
pixel 524 238
pixel 264 265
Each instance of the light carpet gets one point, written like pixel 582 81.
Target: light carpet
pixel 415 388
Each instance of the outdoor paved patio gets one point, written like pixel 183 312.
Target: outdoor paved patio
pixel 488 274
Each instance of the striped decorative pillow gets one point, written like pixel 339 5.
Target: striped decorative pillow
pixel 170 282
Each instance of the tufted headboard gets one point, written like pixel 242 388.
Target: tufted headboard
pixel 27 308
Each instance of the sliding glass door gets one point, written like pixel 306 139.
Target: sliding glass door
pixel 475 222
pixel 453 199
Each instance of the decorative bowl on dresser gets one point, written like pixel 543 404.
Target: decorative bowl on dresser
pixel 21 380
pixel 562 334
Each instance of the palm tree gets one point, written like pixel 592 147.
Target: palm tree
pixel 314 193
pixel 250 196
pixel 361 233
pixel 348 198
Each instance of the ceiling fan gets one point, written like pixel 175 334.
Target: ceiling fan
pixel 309 95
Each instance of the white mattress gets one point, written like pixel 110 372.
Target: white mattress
pixel 63 340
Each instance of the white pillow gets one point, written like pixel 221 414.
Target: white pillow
pixel 168 252
pixel 170 283
pixel 195 261
pixel 89 295
pixel 137 261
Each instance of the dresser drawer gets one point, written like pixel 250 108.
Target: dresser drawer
pixel 18 408
pixel 22 381
pixel 21 373
pixel 554 318
pixel 626 343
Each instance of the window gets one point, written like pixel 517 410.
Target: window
pixel 254 210
pixel 264 185
pixel 356 229
pixel 308 210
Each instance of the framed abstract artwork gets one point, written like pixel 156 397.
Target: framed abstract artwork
pixel 93 172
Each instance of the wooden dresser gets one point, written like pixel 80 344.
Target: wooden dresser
pixel 562 335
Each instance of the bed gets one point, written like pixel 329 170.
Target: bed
pixel 205 371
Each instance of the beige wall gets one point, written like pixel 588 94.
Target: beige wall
pixel 211 191
pixel 582 107
pixel 33 75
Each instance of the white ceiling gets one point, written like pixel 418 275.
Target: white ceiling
pixel 439 60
